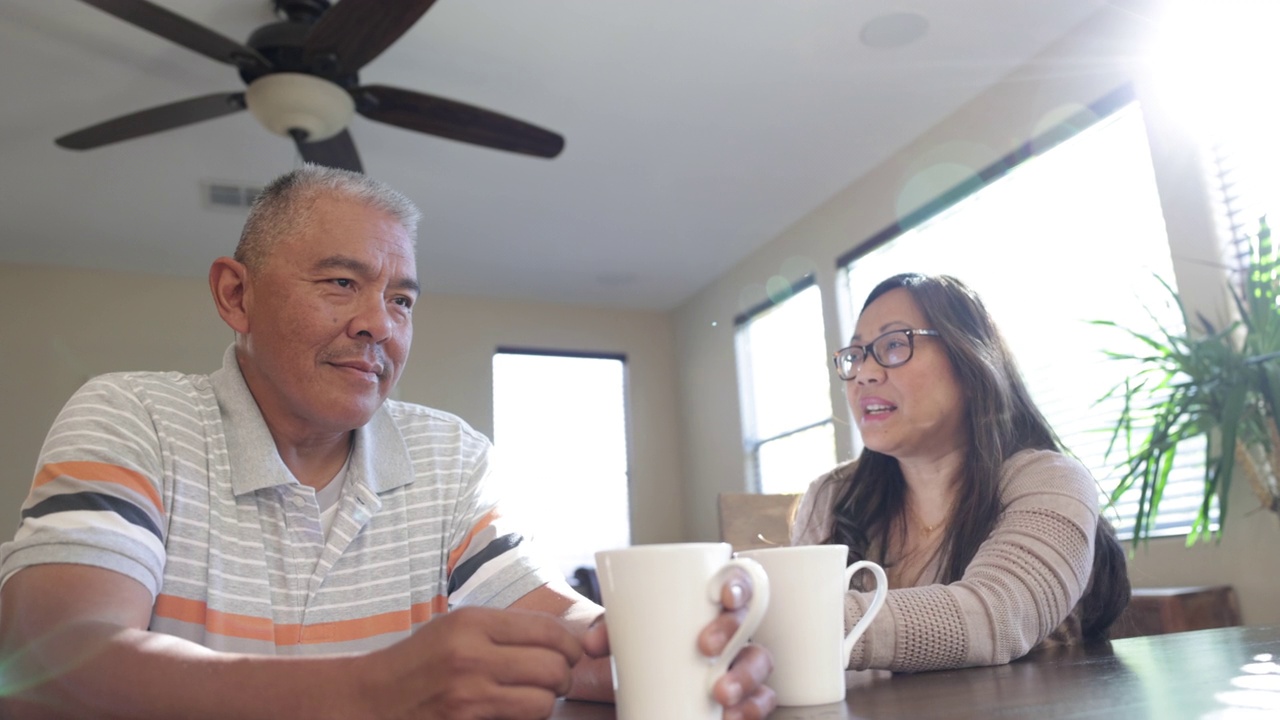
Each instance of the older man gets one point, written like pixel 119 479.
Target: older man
pixel 278 539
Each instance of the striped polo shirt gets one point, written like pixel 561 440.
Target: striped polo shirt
pixel 174 481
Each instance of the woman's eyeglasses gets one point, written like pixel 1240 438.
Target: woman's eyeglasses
pixel 891 349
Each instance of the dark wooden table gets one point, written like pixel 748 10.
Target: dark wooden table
pixel 1220 674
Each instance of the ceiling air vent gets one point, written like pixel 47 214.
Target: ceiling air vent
pixel 225 195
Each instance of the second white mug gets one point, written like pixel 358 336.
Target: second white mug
pixel 804 626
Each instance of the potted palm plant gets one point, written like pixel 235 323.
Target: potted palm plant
pixel 1220 383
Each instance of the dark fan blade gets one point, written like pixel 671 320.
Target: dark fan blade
pixel 355 32
pixel 338 151
pixel 177 29
pixel 154 120
pixel 455 120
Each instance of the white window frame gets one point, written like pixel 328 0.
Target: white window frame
pixel 568 534
pixel 753 440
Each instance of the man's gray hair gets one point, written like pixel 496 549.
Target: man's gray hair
pixel 284 207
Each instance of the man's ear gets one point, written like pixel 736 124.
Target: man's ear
pixel 229 282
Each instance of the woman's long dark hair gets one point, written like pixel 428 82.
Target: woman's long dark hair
pixel 1000 420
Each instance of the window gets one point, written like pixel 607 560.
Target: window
pixel 1051 241
pixel 786 392
pixel 559 427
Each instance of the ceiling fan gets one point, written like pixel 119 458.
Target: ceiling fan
pixel 301 82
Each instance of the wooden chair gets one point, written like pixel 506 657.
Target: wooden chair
pixel 753 520
pixel 1156 611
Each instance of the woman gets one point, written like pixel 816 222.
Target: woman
pixel 989 534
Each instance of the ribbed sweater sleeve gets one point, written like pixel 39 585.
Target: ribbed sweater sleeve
pixel 1024 580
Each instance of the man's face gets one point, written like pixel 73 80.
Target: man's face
pixel 330 319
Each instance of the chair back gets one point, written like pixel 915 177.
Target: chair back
pixel 754 520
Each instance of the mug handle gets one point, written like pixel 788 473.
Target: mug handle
pixel 882 590
pixel 755 611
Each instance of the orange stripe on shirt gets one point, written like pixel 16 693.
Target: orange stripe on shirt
pixel 256 628
pixel 215 621
pixel 423 612
pixel 360 628
pixel 100 472
pixel 456 554
pixel 176 608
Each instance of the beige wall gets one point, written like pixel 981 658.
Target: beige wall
pixel 60 327
pixel 1080 69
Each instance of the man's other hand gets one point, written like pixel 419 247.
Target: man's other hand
pixel 474 663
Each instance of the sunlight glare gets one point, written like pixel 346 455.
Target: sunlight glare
pixel 1209 54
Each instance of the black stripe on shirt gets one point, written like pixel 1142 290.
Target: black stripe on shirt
pixel 464 571
pixel 96 502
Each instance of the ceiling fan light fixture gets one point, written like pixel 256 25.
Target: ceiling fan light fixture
pixel 288 102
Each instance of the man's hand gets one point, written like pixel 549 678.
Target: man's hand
pixel 741 690
pixel 474 663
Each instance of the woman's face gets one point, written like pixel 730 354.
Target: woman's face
pixel 914 411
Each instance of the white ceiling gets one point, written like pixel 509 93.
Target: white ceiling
pixel 696 131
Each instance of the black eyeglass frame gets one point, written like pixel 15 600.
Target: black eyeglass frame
pixel 869 350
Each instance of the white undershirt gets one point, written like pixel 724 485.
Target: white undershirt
pixel 328 496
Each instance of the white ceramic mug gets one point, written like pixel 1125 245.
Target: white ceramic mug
pixel 657 599
pixel 804 627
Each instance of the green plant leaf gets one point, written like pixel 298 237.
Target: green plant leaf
pixel 1219 383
